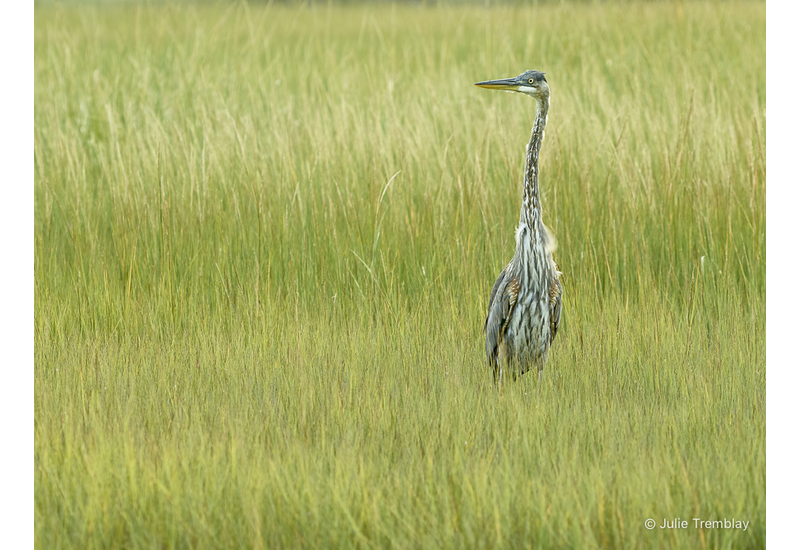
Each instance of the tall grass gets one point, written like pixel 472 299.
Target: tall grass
pixel 264 239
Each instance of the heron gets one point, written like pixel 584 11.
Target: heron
pixel 525 302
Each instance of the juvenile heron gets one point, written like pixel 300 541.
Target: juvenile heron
pixel 525 303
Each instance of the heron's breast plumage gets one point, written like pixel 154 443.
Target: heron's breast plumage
pixel 527 336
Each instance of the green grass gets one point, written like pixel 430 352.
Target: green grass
pixel 245 335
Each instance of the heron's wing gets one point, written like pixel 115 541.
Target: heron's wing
pixel 497 284
pixel 555 308
pixel 501 304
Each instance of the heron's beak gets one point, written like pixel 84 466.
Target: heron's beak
pixel 510 84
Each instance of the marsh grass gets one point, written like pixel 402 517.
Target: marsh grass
pixel 264 240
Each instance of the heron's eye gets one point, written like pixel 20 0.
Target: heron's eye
pixel 530 81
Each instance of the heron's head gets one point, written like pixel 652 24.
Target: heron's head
pixel 531 83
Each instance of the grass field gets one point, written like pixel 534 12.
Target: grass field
pixel 264 240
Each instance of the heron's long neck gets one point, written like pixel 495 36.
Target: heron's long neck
pixel 531 213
